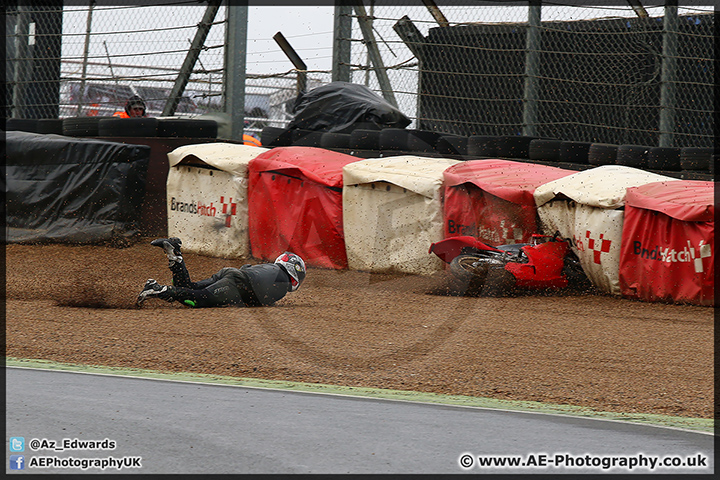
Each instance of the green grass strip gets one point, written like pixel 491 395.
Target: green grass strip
pixel 685 423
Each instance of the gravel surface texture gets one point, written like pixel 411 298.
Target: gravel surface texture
pixel 76 304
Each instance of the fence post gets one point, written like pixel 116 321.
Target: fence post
pixel 295 59
pixel 86 50
pixel 532 49
pixel 235 66
pixel 342 27
pixel 668 75
pixel 415 42
pixel 21 74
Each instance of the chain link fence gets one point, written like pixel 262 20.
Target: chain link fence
pixel 619 75
pixel 88 60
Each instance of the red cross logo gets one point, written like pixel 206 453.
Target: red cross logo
pixel 228 209
pixel 602 246
pixel 703 251
pixel 511 233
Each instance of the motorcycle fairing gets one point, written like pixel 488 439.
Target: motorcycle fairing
pixel 544 268
pixel 452 247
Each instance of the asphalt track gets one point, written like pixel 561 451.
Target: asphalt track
pixel 201 426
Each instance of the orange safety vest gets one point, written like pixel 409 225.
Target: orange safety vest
pixel 250 140
pixel 121 115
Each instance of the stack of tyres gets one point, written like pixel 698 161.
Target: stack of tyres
pixel 481 146
pixel 275 137
pixel 602 154
pixel 514 146
pixel 50 126
pixel 128 127
pixel 632 156
pixel 306 138
pixel 394 141
pixel 664 159
pixel 83 126
pixel 364 143
pixel 335 141
pixel 574 152
pixel 423 142
pixel 545 149
pixel 697 163
pixel 449 144
pixel 22 125
pixel 187 127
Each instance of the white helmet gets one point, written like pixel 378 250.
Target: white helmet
pixel 294 266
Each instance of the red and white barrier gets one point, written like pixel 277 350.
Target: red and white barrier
pixel 207 198
pixel 667 243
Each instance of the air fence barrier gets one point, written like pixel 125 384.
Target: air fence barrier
pixel 393 208
pixel 387 211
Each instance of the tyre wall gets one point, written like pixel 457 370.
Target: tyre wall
pixel 390 215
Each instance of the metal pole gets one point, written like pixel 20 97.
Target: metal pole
pixel 235 67
pixel 532 48
pixel 112 74
pixel 368 61
pixel 86 52
pixel 187 67
pixel 22 70
pixel 640 11
pixel 668 75
pixel 374 53
pixel 295 59
pixel 414 41
pixel 436 13
pixel 341 46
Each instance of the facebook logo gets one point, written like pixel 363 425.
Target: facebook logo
pixel 17 462
pixel 17 444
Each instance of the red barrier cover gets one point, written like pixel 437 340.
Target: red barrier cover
pixel 667 241
pixel 493 201
pixel 295 204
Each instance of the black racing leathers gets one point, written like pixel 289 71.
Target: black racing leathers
pixel 247 286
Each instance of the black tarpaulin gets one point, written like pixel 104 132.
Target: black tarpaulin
pixel 72 190
pixel 340 106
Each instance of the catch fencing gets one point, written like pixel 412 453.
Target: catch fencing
pixel 619 75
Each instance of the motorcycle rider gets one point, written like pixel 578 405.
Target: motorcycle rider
pixel 247 286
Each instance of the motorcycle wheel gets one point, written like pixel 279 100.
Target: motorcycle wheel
pixel 468 273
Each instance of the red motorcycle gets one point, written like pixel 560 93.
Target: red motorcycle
pixel 546 263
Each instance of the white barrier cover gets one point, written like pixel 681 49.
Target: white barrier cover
pixel 594 218
pixel 602 187
pixel 207 198
pixel 392 212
